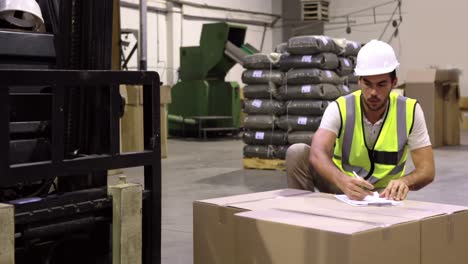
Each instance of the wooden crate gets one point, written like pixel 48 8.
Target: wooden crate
pixel 314 10
pixel 264 164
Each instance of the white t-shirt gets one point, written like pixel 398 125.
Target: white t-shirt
pixel 418 137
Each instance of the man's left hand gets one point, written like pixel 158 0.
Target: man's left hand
pixel 396 190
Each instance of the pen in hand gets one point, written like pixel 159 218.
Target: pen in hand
pixel 360 178
pixel 357 176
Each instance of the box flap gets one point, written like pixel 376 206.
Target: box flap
pixel 318 220
pixel 420 210
pixel 254 197
pixel 432 75
pixel 274 201
pixel 409 210
pixel 447 75
pixel 329 206
pixel 412 210
pixel 463 102
pixel 421 76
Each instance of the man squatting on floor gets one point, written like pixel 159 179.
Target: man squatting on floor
pixel 364 138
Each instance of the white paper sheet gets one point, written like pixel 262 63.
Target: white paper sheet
pixel 370 200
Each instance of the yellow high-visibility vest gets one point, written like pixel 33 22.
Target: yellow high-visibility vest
pixel 387 159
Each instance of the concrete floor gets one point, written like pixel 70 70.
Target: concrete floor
pixel 197 170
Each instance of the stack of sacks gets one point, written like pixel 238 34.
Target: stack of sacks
pixel 281 48
pixel 310 84
pixel 347 57
pixel 262 136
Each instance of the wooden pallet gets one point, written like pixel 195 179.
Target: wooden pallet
pixel 264 164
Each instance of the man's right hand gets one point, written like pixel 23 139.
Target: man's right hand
pixel 354 188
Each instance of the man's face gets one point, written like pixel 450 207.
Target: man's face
pixel 375 90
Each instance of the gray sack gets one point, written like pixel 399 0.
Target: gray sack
pixel 352 48
pixel 312 76
pixel 262 76
pixel 325 61
pixel 304 45
pixel 260 122
pixel 299 123
pixel 260 91
pixel 281 151
pixel 265 138
pixel 281 48
pixel 300 137
pixel 323 91
pixel 352 79
pixel 259 151
pixel 344 89
pixel 258 61
pixel 264 106
pixel 346 66
pixel 306 107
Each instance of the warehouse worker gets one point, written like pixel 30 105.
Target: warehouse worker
pixel 364 138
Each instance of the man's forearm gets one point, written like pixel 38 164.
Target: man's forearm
pixel 416 180
pixel 424 171
pixel 325 167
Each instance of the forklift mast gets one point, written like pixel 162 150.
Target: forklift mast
pixel 59 124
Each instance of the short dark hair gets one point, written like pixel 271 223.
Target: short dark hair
pixel 393 75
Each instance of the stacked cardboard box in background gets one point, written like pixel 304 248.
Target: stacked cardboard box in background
pixel 299 227
pixel 464 112
pixel 438 93
pixel 132 120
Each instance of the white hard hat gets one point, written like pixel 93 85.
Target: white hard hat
pixel 30 16
pixel 376 57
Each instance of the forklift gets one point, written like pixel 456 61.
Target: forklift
pixel 59 130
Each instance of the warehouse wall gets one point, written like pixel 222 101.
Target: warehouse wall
pixel 432 33
pixel 168 30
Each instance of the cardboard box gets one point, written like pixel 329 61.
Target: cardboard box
pixel 464 103
pixel 132 128
pixel 132 121
pixel 213 223
pixel 134 94
pixel 444 231
pixel 443 228
pixel 451 114
pixel 290 226
pixel 165 94
pixel 464 119
pixel 438 93
pixel 278 236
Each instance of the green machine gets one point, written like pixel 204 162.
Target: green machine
pixel 202 100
